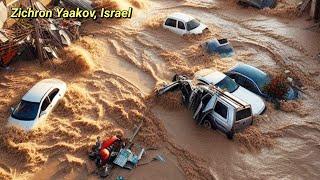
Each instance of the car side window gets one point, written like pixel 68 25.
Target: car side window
pixel 251 86
pixel 221 109
pixel 240 80
pixel 206 98
pixel 181 25
pixel 171 22
pixel 45 104
pixel 232 76
pixel 53 93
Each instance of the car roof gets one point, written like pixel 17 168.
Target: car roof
pixel 181 16
pixel 39 90
pixel 212 78
pixel 251 72
pixel 229 98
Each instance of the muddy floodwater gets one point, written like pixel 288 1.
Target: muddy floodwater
pixel 125 60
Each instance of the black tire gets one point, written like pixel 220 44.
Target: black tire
pixel 92 156
pixel 230 135
pixel 208 123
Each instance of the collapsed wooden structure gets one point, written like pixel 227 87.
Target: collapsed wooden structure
pixel 43 38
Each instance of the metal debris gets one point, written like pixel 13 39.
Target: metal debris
pixel 46 37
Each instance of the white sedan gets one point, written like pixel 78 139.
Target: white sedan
pixel 222 81
pixel 37 104
pixel 182 24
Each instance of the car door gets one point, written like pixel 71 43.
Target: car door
pixel 168 88
pixel 246 83
pixel 171 24
pixel 44 109
pixel 181 28
pixel 204 101
pixel 220 114
pixel 251 86
pixel 54 97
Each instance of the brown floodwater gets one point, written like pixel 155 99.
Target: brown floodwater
pixel 129 59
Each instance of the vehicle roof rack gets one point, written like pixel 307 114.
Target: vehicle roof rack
pixel 227 96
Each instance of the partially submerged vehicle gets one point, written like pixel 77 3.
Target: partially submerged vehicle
pixel 259 3
pixel 219 79
pixel 221 47
pixel 256 80
pixel 37 104
pixel 212 107
pixel 183 24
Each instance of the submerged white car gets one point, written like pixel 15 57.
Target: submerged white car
pixel 183 24
pixel 37 104
pixel 222 81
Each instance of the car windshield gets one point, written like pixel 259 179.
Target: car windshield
pixel 228 84
pixel 243 114
pixel 26 111
pixel 225 50
pixel 192 24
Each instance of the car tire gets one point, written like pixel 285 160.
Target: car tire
pixel 230 135
pixel 92 156
pixel 208 123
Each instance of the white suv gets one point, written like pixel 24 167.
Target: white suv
pixel 211 107
pixel 183 24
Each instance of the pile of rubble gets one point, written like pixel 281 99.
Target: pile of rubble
pixel 41 38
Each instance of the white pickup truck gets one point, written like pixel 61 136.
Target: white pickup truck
pixel 211 107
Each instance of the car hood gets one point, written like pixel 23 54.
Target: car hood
pixel 25 125
pixel 199 29
pixel 257 104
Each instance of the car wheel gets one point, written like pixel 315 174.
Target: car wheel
pixel 230 135
pixel 207 124
pixel 208 120
pixel 92 155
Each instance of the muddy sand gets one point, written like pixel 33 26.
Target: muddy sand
pixel 112 72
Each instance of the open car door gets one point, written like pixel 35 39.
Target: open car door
pixel 168 88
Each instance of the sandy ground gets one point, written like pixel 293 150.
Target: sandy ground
pixel 111 77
